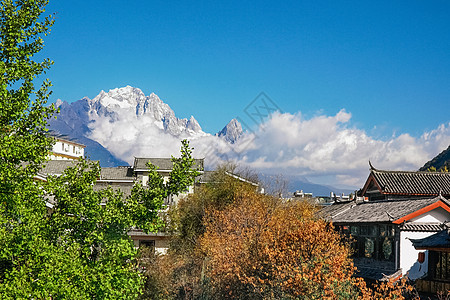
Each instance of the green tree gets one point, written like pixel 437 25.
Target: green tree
pixel 78 249
pixel 23 142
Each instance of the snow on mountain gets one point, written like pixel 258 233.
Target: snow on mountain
pixel 131 102
pixel 128 123
pixel 231 132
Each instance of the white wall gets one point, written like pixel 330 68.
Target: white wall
pixel 161 245
pixel 437 215
pixel 409 255
pixel 66 148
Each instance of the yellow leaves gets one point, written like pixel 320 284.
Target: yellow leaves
pixel 261 248
pixel 385 290
pixel 271 245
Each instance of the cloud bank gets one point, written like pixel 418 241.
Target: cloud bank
pixel 325 149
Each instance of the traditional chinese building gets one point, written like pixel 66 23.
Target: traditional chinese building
pixel 393 207
pixel 437 278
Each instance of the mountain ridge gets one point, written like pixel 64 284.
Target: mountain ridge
pixel 439 162
pixel 80 118
pixel 94 122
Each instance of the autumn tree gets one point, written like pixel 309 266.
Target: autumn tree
pixel 265 248
pixel 220 190
pixel 262 248
pixel 181 271
pixel 234 243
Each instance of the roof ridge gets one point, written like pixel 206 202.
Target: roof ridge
pixel 410 172
pixel 424 223
pixel 153 157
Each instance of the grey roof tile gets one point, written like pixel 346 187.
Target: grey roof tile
pixel 206 177
pixel 118 173
pixel 422 227
pixel 437 240
pixel 375 211
pixel 413 183
pixel 56 167
pixel 140 163
pixel 124 187
pixel 211 176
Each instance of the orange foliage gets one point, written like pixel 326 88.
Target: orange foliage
pixel 386 290
pixel 263 248
pixel 232 242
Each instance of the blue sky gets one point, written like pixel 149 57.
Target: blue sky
pixel 385 62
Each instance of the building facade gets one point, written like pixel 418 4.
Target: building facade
pixel 66 149
pixel 437 246
pixel 393 208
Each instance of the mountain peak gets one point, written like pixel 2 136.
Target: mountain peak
pixel 193 125
pixel 232 131
pixel 131 103
pixel 113 118
pixel 120 98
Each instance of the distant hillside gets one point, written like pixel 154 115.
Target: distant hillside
pixel 439 162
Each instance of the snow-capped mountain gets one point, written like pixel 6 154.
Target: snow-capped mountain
pixel 231 132
pixel 115 120
pixel 124 123
pixel 130 100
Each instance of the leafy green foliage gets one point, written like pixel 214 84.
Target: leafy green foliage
pixel 80 247
pixel 89 227
pixel 22 121
pixel 61 238
pixel 23 146
pixel 182 174
pixel 148 201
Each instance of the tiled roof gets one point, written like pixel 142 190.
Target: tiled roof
pixel 437 240
pixel 412 183
pixel 118 173
pixel 161 163
pixel 124 187
pixel 422 227
pixel 141 233
pixel 375 211
pixel 206 177
pixel 56 167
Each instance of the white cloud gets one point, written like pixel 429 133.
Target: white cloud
pixel 324 145
pixel 130 136
pixel 286 143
